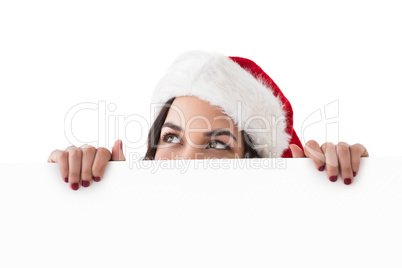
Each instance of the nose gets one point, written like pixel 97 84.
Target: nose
pixel 191 152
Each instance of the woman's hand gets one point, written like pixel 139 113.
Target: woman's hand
pixel 341 157
pixel 86 163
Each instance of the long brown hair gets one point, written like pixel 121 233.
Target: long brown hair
pixel 156 128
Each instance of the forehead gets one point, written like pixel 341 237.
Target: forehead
pixel 191 111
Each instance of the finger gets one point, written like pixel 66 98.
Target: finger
pixel 331 161
pixel 117 151
pixel 74 170
pixel 366 154
pixel 313 151
pixel 345 162
pixel 70 147
pixel 356 152
pixel 297 152
pixel 88 156
pixel 102 157
pixel 60 157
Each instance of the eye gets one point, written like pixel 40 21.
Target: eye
pixel 218 145
pixel 170 138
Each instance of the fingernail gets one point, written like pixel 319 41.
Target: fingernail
pixel 354 174
pixel 321 168
pixel 333 178
pixel 66 179
pixel 85 183
pixel 97 179
pixel 75 186
pixel 347 181
pixel 121 145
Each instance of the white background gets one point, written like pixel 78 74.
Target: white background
pixel 57 54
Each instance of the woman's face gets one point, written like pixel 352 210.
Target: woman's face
pixel 194 129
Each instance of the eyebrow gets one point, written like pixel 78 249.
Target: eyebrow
pixel 216 132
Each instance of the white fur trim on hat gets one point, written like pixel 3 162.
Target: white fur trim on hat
pixel 222 82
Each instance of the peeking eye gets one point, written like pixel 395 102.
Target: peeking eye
pixel 171 138
pixel 218 145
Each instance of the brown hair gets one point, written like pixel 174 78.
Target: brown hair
pixel 156 128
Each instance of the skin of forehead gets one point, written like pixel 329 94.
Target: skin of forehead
pixel 193 108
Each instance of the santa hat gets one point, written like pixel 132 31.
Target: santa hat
pixel 242 90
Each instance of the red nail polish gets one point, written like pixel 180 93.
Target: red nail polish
pixel 333 178
pixel 347 181
pixel 75 186
pixel 97 179
pixel 321 168
pixel 66 179
pixel 85 183
pixel 354 174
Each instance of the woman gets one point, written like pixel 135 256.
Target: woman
pixel 213 106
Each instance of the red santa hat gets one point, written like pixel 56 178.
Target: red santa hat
pixel 242 90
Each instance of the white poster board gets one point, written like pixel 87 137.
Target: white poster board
pixel 266 213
